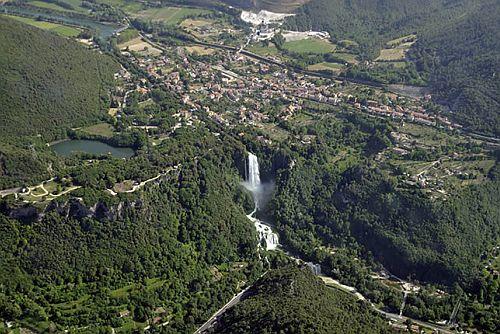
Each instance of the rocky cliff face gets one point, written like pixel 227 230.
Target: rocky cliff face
pixel 73 208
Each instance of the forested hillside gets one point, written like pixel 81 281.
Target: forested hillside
pixel 167 252
pixel 462 62
pixel 293 300
pixel 438 241
pixel 457 46
pixel 371 23
pixel 49 84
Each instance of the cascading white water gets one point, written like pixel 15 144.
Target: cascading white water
pixel 254 185
pixel 315 268
pixel 253 181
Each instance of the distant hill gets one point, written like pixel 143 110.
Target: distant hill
pixel 293 300
pixel 49 84
pixel 462 61
pixel 458 45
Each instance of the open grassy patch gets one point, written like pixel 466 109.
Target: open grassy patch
pixel 397 48
pixel 392 54
pixel 192 23
pixel 49 5
pixel 127 35
pixel 347 43
pixel 259 49
pixel 76 5
pixel 140 46
pixel 129 6
pixel 347 57
pixel 199 50
pixel 57 28
pixel 170 15
pixel 101 129
pixel 123 186
pixel 310 45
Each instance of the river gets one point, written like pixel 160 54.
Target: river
pixel 104 30
pixel 270 239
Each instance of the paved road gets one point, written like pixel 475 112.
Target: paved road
pixel 10 191
pixel 402 319
pixel 210 322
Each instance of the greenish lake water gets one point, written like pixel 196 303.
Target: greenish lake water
pixel 69 147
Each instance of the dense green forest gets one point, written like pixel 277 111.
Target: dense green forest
pixel 49 84
pixel 457 47
pixel 461 61
pixel 330 210
pixel 183 245
pixel 102 259
pixel 293 300
pixel 439 241
pixel 372 23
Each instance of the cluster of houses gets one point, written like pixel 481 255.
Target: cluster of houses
pixel 251 86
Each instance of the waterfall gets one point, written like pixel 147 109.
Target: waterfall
pixel 253 180
pixel 254 185
pixel 315 268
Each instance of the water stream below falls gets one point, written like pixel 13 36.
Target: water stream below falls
pixel 267 237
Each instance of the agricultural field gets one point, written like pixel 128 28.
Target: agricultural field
pixel 396 54
pixel 259 49
pixel 310 45
pixel 397 48
pixel 170 15
pixel 129 6
pixel 195 23
pixel 334 67
pixel 49 5
pixel 59 29
pixel 347 57
pixel 138 45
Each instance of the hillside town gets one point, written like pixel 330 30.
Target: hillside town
pixel 250 86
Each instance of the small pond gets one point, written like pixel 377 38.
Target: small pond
pixel 69 147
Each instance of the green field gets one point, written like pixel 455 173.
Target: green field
pixel 130 6
pixel 59 29
pixel 127 35
pixel 76 4
pixel 310 45
pixel 347 57
pixel 49 6
pixel 396 54
pixel 264 50
pixel 101 129
pixel 170 15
